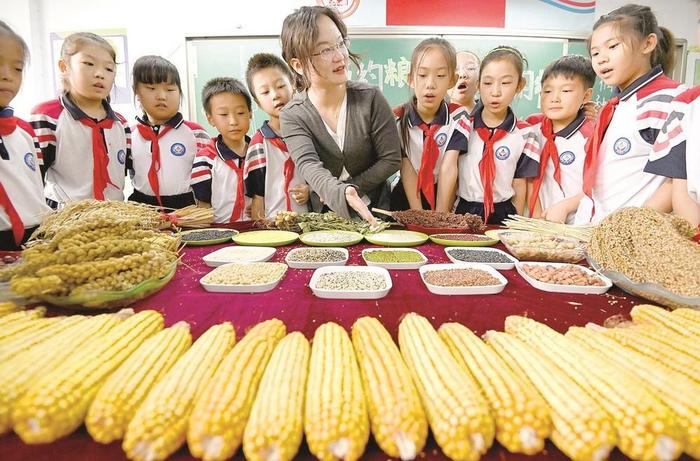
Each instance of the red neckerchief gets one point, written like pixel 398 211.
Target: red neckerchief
pixel 431 152
pixel 487 165
pixel 15 220
pixel 100 158
pixel 7 125
pixel 149 134
pixel 549 152
pixel 239 204
pixel 288 169
pixel 590 164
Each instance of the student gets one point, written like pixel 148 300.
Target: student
pixel 428 127
pixel 341 134
pixel 217 172
pixel 503 151
pixel 631 52
pixel 84 143
pixel 163 143
pixel 464 90
pixel 677 153
pixel 271 177
pixel 567 84
pixel 22 205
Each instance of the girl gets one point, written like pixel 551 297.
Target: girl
pixel 21 189
pixel 428 128
pixel 631 52
pixel 85 143
pixel 163 143
pixel 502 150
pixel 340 134
pixel 464 91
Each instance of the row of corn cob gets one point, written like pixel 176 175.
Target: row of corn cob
pixel 589 390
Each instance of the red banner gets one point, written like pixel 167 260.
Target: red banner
pixel 464 13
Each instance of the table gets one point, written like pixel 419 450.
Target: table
pixel 294 303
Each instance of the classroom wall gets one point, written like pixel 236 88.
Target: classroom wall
pixel 160 27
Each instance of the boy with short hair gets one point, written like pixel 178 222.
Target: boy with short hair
pixel 217 172
pixel 567 84
pixel 270 177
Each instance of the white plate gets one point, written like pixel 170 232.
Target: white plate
pixel 217 258
pixel 468 290
pixel 259 288
pixel 397 266
pixel 347 294
pixel 557 288
pixel 316 265
pixel 499 266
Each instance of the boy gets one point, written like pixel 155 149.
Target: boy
pixel 217 172
pixel 270 178
pixel 567 84
pixel 677 150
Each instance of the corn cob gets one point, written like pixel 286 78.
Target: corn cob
pixel 56 403
pixel 645 426
pixel 458 413
pixel 674 389
pixel 656 349
pixel 23 315
pixel 15 345
pixel 122 393
pixel 336 423
pixel 522 416
pixel 17 373
pixel 216 426
pixel 397 418
pixel 159 426
pixel 688 315
pixel 26 327
pixel 275 427
pixel 657 316
pixel 9 308
pixel 685 344
pixel 582 430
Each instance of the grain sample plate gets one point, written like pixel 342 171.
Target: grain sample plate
pixel 350 282
pixel 462 279
pixel 490 256
pixel 394 258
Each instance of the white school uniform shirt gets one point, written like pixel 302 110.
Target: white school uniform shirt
pixel 264 172
pixel 516 156
pixel 66 145
pixel 20 174
pixel 215 182
pixel 453 134
pixel 571 145
pixel 624 152
pixel 178 147
pixel 677 149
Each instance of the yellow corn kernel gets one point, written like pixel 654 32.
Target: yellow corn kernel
pixel 674 389
pixel 522 416
pixel 19 371
pixel 688 316
pixel 660 317
pixel 645 426
pixel 8 308
pixel 117 400
pixel 55 404
pixel 159 426
pixel 336 423
pixel 276 424
pixel 582 429
pixel 30 338
pixel 220 413
pixel 396 414
pixel 22 315
pixel 458 413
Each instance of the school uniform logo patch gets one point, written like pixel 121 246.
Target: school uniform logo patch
pixel 622 146
pixel 121 156
pixel 502 153
pixel 30 161
pixel 567 158
pixel 441 139
pixel 178 149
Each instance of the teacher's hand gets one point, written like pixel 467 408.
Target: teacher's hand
pixel 356 203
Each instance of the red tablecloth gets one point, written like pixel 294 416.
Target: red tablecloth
pixel 294 303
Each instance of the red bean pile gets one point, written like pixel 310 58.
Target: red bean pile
pixel 460 278
pixel 428 218
pixel 562 275
pixel 462 237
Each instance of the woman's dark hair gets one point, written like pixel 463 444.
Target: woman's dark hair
pixel 152 70
pixel 299 35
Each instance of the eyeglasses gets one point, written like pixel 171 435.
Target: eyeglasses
pixel 327 53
